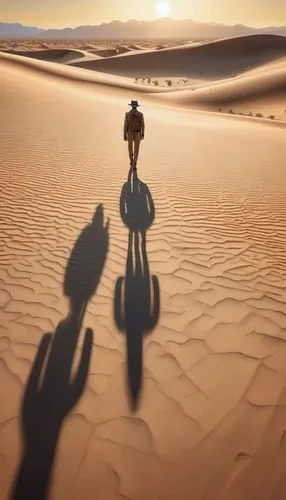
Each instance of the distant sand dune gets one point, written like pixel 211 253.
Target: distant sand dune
pixel 47 69
pixel 51 55
pixel 67 56
pixel 255 87
pixel 104 52
pixel 261 90
pixel 134 47
pixel 214 60
pixel 123 49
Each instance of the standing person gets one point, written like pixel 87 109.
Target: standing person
pixel 133 132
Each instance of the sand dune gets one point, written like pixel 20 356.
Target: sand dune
pixel 105 52
pixel 262 91
pixel 209 247
pixel 52 71
pixel 48 52
pixel 259 91
pixel 55 55
pixel 134 47
pixel 220 59
pixel 119 50
pixel 123 49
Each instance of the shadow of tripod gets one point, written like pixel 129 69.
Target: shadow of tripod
pixel 137 295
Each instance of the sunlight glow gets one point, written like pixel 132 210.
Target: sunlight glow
pixel 162 8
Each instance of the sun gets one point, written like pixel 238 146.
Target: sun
pixel 162 8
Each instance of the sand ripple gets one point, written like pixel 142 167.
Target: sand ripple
pixel 212 418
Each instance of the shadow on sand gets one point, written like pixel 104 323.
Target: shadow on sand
pixel 137 295
pixel 51 392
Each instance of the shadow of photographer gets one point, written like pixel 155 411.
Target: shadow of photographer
pixel 51 392
pixel 137 295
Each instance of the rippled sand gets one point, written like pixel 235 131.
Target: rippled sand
pixel 210 419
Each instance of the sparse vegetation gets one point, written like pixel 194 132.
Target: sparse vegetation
pixel 250 113
pixel 169 82
pixel 162 83
pixel 183 80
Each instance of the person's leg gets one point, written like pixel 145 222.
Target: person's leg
pixel 133 146
pixel 137 140
pixel 130 148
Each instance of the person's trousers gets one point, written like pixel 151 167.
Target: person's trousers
pixel 134 139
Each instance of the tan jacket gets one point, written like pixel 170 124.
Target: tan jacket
pixel 128 122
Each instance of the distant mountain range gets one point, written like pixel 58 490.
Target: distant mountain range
pixel 160 28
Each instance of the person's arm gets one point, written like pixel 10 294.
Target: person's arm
pixel 125 127
pixel 142 126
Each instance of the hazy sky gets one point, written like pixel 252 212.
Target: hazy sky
pixel 59 13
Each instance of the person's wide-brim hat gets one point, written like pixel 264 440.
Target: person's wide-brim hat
pixel 133 104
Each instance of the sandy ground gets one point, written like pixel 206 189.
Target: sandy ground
pixel 186 261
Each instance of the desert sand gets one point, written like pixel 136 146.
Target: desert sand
pixel 142 341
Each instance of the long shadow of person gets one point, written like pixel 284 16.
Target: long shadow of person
pixel 137 296
pixel 51 391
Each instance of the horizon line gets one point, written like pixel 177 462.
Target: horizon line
pixel 157 19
